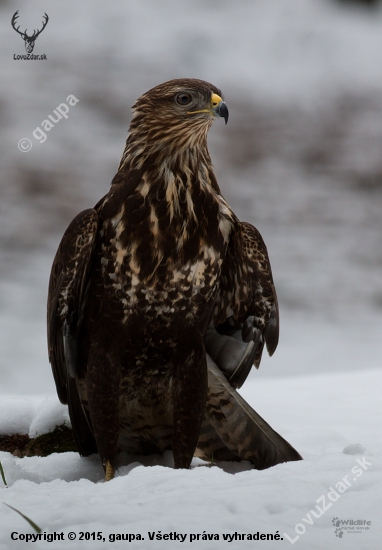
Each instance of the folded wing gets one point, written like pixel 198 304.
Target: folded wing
pixel 246 312
pixel 67 298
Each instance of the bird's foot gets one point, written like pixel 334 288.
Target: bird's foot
pixel 109 471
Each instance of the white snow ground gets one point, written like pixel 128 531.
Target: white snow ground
pixel 300 158
pixel 322 416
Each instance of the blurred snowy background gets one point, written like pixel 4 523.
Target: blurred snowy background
pixel 300 158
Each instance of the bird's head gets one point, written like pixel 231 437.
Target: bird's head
pixel 182 100
pixel 174 116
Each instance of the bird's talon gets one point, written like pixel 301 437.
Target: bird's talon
pixel 109 471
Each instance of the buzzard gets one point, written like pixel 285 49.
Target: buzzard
pixel 161 300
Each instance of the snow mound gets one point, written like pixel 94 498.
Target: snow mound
pixel 16 415
pixel 354 449
pixel 50 413
pixel 31 415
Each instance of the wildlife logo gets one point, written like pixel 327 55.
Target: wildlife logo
pixel 350 526
pixel 29 40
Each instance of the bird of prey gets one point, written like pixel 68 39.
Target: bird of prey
pixel 161 300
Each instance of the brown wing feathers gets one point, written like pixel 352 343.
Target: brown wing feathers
pixel 66 309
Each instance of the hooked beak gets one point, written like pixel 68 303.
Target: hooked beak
pixel 219 107
pixel 222 110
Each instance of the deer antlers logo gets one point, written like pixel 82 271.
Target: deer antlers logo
pixel 29 40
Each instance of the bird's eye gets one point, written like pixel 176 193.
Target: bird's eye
pixel 183 99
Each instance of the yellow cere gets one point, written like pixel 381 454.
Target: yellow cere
pixel 215 100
